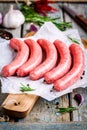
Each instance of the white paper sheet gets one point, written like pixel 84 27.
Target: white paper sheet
pixel 12 84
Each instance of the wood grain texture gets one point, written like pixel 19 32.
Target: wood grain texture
pixel 19 105
pixel 45 112
pixel 84 41
pixel 44 126
pixel 64 102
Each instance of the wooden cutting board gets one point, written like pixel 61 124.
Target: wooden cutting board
pixel 19 105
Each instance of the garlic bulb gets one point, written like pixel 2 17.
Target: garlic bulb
pixel 13 18
pixel 0 18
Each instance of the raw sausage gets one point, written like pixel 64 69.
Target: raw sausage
pixel 21 57
pixel 34 59
pixel 48 63
pixel 76 71
pixel 64 64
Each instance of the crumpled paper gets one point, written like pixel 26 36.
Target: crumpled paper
pixel 12 84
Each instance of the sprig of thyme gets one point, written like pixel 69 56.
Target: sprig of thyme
pixel 25 88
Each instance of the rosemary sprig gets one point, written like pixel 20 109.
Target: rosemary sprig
pixel 65 110
pixel 32 16
pixel 73 40
pixel 25 88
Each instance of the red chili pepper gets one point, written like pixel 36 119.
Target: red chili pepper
pixel 42 7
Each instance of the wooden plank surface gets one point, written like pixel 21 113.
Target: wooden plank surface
pixel 44 126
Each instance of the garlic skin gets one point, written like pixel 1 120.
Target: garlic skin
pixel 13 18
pixel 0 18
pixel 79 98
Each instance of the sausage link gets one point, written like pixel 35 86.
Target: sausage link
pixel 21 57
pixel 48 63
pixel 34 59
pixel 76 71
pixel 64 64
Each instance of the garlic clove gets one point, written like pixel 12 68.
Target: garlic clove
pixel 79 98
pixel 33 28
pixel 13 18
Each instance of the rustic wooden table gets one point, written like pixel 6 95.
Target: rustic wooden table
pixel 44 113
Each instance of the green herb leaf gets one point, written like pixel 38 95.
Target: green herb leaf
pixel 25 88
pixel 65 110
pixel 73 40
pixel 32 16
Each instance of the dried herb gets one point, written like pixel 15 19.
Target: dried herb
pixel 25 88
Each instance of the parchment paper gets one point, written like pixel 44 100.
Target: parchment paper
pixel 12 84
